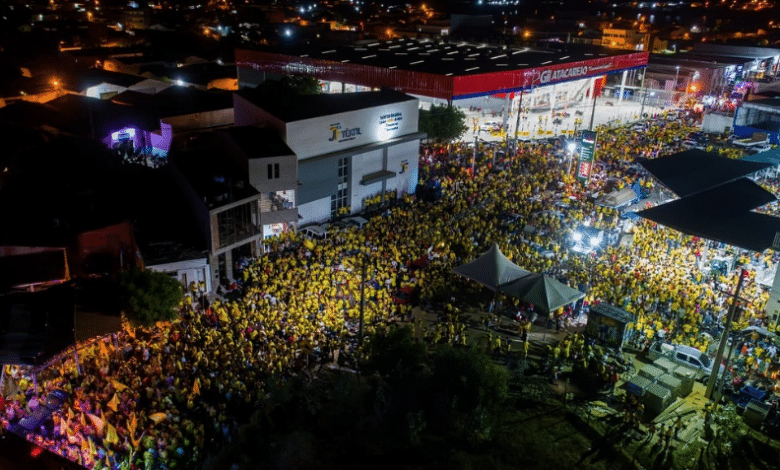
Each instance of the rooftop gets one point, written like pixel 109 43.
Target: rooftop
pixel 258 142
pixel 298 108
pixel 441 57
pixel 216 179
pixel 177 101
pixel 92 77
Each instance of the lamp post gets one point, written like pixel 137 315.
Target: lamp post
pixel 676 75
pixel 724 338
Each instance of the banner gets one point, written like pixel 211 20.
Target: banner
pixel 587 155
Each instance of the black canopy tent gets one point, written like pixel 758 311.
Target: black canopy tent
pixel 545 293
pixel 493 269
pixel 717 201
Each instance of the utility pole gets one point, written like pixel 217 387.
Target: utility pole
pixel 474 155
pixel 724 338
pixel 517 121
pixel 362 298
pixel 644 95
pixel 593 111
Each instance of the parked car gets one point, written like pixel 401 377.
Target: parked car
pixel 490 126
pixel 314 232
pixel 685 355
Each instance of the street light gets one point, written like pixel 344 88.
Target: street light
pixel 676 75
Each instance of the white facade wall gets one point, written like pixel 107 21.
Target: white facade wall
pixel 363 164
pixel 314 212
pixel 403 159
pixel 195 270
pixel 337 132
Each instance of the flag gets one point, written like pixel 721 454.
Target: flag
pixel 137 442
pixel 70 414
pixel 196 387
pixel 118 385
pixel 113 403
pixel 132 424
pixel 103 349
pixel 111 436
pixel 157 417
pixel 92 449
pixel 98 423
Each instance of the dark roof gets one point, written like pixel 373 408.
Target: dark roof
pixel 79 115
pixel 92 77
pixel 613 312
pixel 768 102
pixel 770 156
pixel 203 74
pixel 24 335
pixel 692 171
pixel 446 57
pixel 299 107
pixel 177 101
pixel 258 142
pixel 165 229
pixel 216 179
pixel 722 214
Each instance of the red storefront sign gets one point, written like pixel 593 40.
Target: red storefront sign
pixel 513 80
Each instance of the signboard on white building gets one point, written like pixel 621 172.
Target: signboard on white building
pixel 336 132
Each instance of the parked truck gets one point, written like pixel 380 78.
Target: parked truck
pixel 758 139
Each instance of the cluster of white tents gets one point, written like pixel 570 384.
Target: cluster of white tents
pixel 499 274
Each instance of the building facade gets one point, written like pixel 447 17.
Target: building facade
pixel 349 147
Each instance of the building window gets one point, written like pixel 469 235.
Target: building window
pixel 235 224
pixel 273 171
pixel 339 202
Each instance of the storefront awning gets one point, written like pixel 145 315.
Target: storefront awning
pixel 376 177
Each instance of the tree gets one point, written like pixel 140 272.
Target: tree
pixel 394 355
pixel 147 297
pixel 301 85
pixel 473 387
pixel 443 122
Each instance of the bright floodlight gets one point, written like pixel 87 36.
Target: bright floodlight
pixel 572 146
pixel 594 241
pixel 577 236
pixel 288 32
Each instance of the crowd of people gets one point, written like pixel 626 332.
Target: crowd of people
pixel 169 396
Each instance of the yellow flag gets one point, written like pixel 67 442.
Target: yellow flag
pixel 113 403
pixel 111 436
pixel 157 417
pixel 70 414
pixel 136 442
pixel 103 349
pixel 132 424
pixel 196 387
pixel 92 450
pixel 118 385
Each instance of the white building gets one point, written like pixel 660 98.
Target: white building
pixel 350 146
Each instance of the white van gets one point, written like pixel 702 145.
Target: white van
pixel 314 232
pixel 684 355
